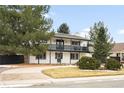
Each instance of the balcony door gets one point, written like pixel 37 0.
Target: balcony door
pixel 59 44
pixel 76 45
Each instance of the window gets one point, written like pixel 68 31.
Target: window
pixel 118 54
pixel 58 55
pixel 122 56
pixel 74 56
pixel 75 42
pixel 43 56
pixel 59 42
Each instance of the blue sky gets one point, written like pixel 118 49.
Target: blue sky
pixel 80 18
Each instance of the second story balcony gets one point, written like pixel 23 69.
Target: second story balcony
pixel 67 48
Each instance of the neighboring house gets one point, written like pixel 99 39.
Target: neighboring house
pixel 118 51
pixel 64 49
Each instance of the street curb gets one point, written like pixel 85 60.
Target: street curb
pixel 23 83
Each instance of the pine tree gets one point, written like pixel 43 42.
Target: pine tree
pixel 102 42
pixel 63 29
pixel 23 29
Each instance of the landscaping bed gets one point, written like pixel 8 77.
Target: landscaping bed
pixel 70 72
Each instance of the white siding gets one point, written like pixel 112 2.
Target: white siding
pixel 74 61
pixel 64 60
pixel 66 55
pixel 113 55
pixel 41 61
pixel 67 41
pixel 53 60
pixel 83 43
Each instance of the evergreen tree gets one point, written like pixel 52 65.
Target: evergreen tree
pixel 63 29
pixel 23 29
pixel 102 42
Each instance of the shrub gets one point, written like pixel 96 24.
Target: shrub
pixel 88 63
pixel 113 64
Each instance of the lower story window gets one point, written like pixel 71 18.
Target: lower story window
pixel 58 55
pixel 122 56
pixel 42 56
pixel 74 56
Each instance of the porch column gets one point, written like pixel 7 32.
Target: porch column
pixel 79 56
pixel 50 52
pixel 120 57
pixel 50 57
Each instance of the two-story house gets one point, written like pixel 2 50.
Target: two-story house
pixel 64 49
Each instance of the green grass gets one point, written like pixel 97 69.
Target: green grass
pixel 68 72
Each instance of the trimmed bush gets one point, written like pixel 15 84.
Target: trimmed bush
pixel 113 64
pixel 88 63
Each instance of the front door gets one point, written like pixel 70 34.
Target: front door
pixel 59 56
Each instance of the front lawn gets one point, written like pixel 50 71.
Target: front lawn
pixel 68 72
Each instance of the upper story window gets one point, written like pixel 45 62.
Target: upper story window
pixel 59 42
pixel 75 43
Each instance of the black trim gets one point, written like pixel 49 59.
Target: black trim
pixel 67 48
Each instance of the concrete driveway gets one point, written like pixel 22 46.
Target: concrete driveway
pixel 25 75
pixel 2 69
pixel 5 67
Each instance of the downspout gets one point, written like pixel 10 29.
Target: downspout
pixel 50 51
pixel 70 50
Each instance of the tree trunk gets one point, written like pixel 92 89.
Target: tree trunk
pixel 38 59
pixel 26 59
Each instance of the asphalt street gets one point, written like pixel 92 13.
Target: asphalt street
pixel 114 83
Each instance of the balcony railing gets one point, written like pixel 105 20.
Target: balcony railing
pixel 70 48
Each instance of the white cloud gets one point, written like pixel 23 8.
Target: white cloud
pixel 83 33
pixel 121 31
pixel 86 30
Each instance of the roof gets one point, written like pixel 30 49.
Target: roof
pixel 118 47
pixel 69 36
